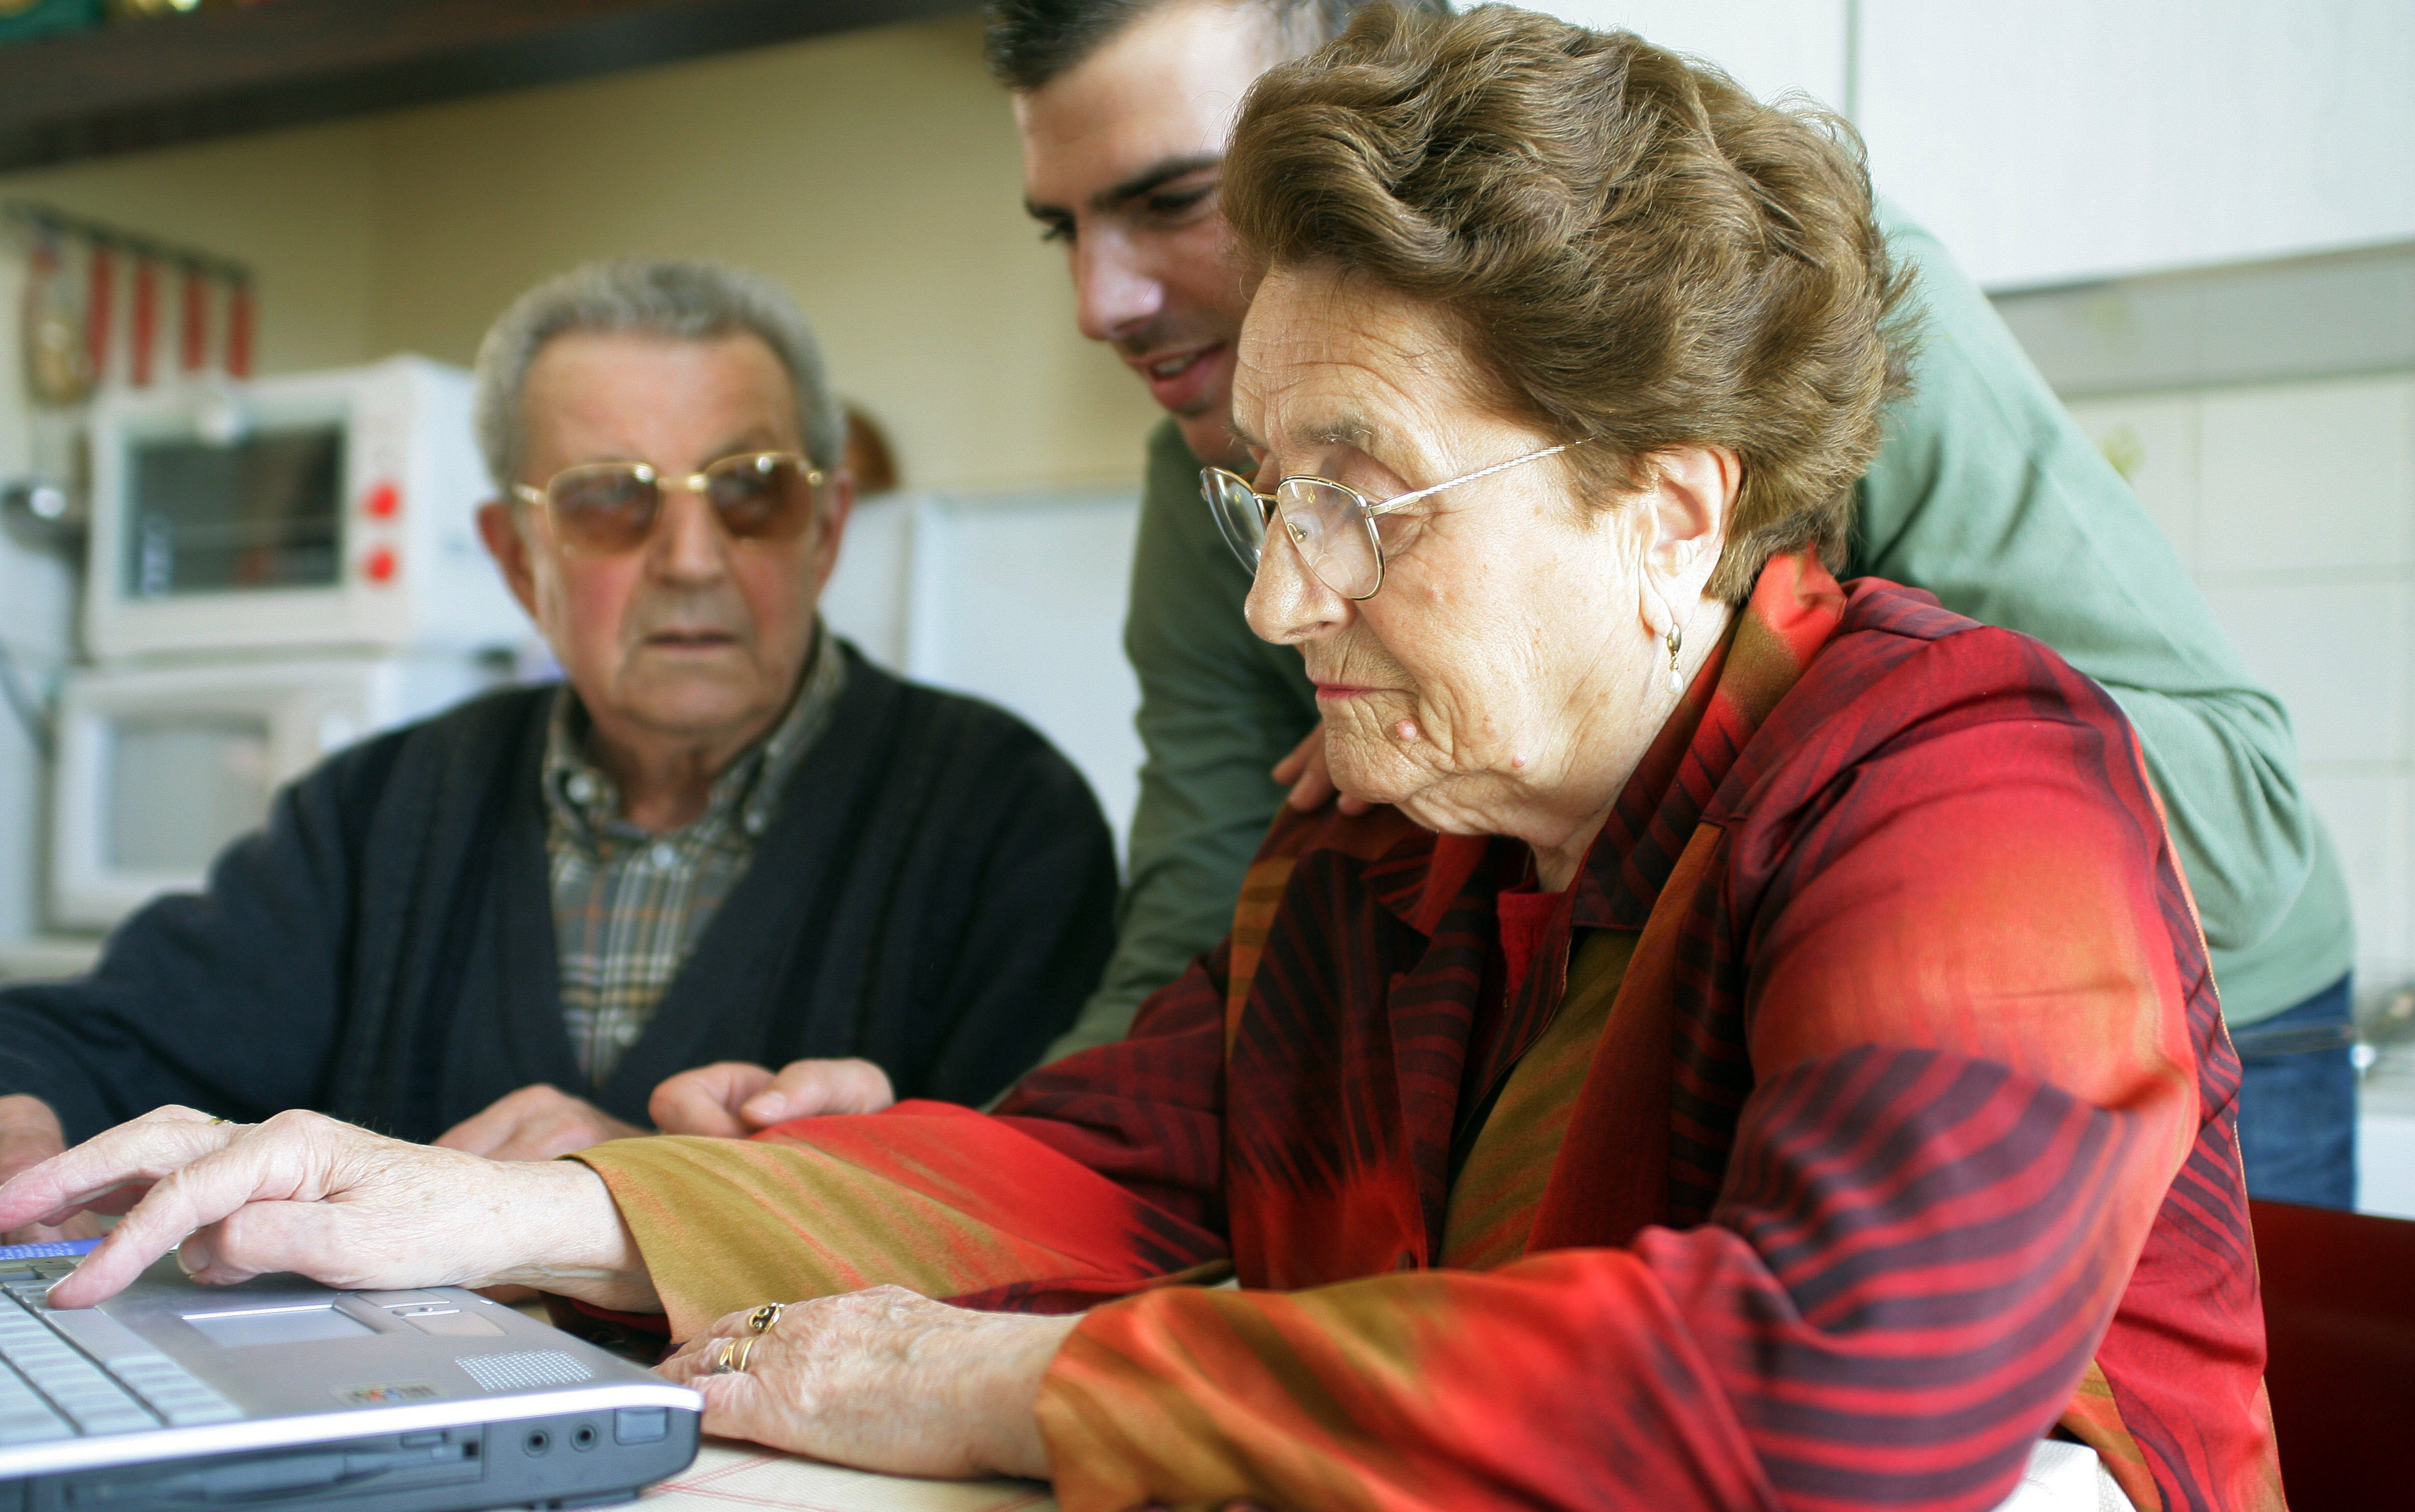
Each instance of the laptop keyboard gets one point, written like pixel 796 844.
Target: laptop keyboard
pixel 68 1373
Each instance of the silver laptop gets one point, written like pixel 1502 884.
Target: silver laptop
pixel 282 1394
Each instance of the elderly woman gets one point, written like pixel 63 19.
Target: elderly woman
pixel 1765 1054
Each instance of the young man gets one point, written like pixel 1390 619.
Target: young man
pixel 1986 495
pixel 724 838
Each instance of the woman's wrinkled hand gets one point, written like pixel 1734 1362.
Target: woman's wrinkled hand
pixel 307 1193
pixel 883 1379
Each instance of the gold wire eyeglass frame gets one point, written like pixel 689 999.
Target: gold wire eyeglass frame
pixel 698 483
pixel 1269 504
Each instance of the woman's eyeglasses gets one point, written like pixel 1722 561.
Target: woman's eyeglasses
pixel 605 507
pixel 1331 524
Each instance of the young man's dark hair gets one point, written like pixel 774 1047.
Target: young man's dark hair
pixel 1029 43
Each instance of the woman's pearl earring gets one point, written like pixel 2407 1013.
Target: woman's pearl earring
pixel 1676 639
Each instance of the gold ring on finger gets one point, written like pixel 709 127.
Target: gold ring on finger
pixel 765 1318
pixel 730 1359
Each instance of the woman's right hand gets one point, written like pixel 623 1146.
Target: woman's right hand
pixel 306 1193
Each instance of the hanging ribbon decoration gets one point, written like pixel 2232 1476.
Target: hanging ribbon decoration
pixel 193 339
pixel 147 320
pixel 68 329
pixel 98 299
pixel 53 329
pixel 238 337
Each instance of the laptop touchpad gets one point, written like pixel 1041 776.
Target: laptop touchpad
pixel 277 1325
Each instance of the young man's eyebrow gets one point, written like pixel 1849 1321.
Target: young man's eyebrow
pixel 1155 175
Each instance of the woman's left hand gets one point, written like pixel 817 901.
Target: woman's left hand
pixel 339 1204
pixel 883 1379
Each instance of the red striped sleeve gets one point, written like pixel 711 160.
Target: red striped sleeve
pixel 1972 1081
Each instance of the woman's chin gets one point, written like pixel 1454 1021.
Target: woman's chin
pixel 1373 769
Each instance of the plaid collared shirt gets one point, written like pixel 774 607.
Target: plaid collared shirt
pixel 628 904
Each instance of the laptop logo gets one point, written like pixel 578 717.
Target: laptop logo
pixel 385 1395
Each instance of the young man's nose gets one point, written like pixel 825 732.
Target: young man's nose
pixel 1114 291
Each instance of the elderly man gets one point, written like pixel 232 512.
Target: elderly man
pixel 726 839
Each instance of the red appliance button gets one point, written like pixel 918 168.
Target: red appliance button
pixel 381 565
pixel 384 501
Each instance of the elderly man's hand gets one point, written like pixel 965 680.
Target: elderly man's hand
pixel 30 1134
pixel 884 1379
pixel 1311 781
pixel 302 1193
pixel 732 1100
pixel 535 1123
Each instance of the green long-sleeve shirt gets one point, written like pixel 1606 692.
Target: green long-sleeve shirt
pixel 1986 494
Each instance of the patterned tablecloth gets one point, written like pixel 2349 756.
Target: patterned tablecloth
pixel 727 1475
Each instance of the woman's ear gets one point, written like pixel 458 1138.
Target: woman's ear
pixel 1687 506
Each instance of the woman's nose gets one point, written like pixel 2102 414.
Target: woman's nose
pixel 1289 603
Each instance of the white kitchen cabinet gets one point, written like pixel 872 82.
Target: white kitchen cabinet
pixel 1768 46
pixel 2056 141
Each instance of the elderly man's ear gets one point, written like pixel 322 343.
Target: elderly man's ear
pixel 1687 508
pixel 836 512
pixel 498 526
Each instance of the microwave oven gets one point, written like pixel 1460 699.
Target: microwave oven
pixel 333 510
pixel 160 765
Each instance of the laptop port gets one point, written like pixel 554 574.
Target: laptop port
pixel 383 1467
pixel 583 1438
pixel 537 1441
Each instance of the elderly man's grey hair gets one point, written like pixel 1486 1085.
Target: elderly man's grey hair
pixel 692 301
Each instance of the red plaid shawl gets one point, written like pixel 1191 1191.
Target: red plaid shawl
pixel 1884 1121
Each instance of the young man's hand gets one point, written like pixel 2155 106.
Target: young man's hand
pixel 732 1100
pixel 1311 781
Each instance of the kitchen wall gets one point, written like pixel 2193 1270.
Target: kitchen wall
pixel 876 173
pixel 34 592
pixel 1771 47
pixel 2060 139
pixel 2265 416
pixel 294 205
pixel 2057 140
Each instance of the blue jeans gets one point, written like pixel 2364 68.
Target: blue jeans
pixel 2297 1102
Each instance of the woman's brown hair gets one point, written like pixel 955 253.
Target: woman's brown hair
pixel 1637 250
